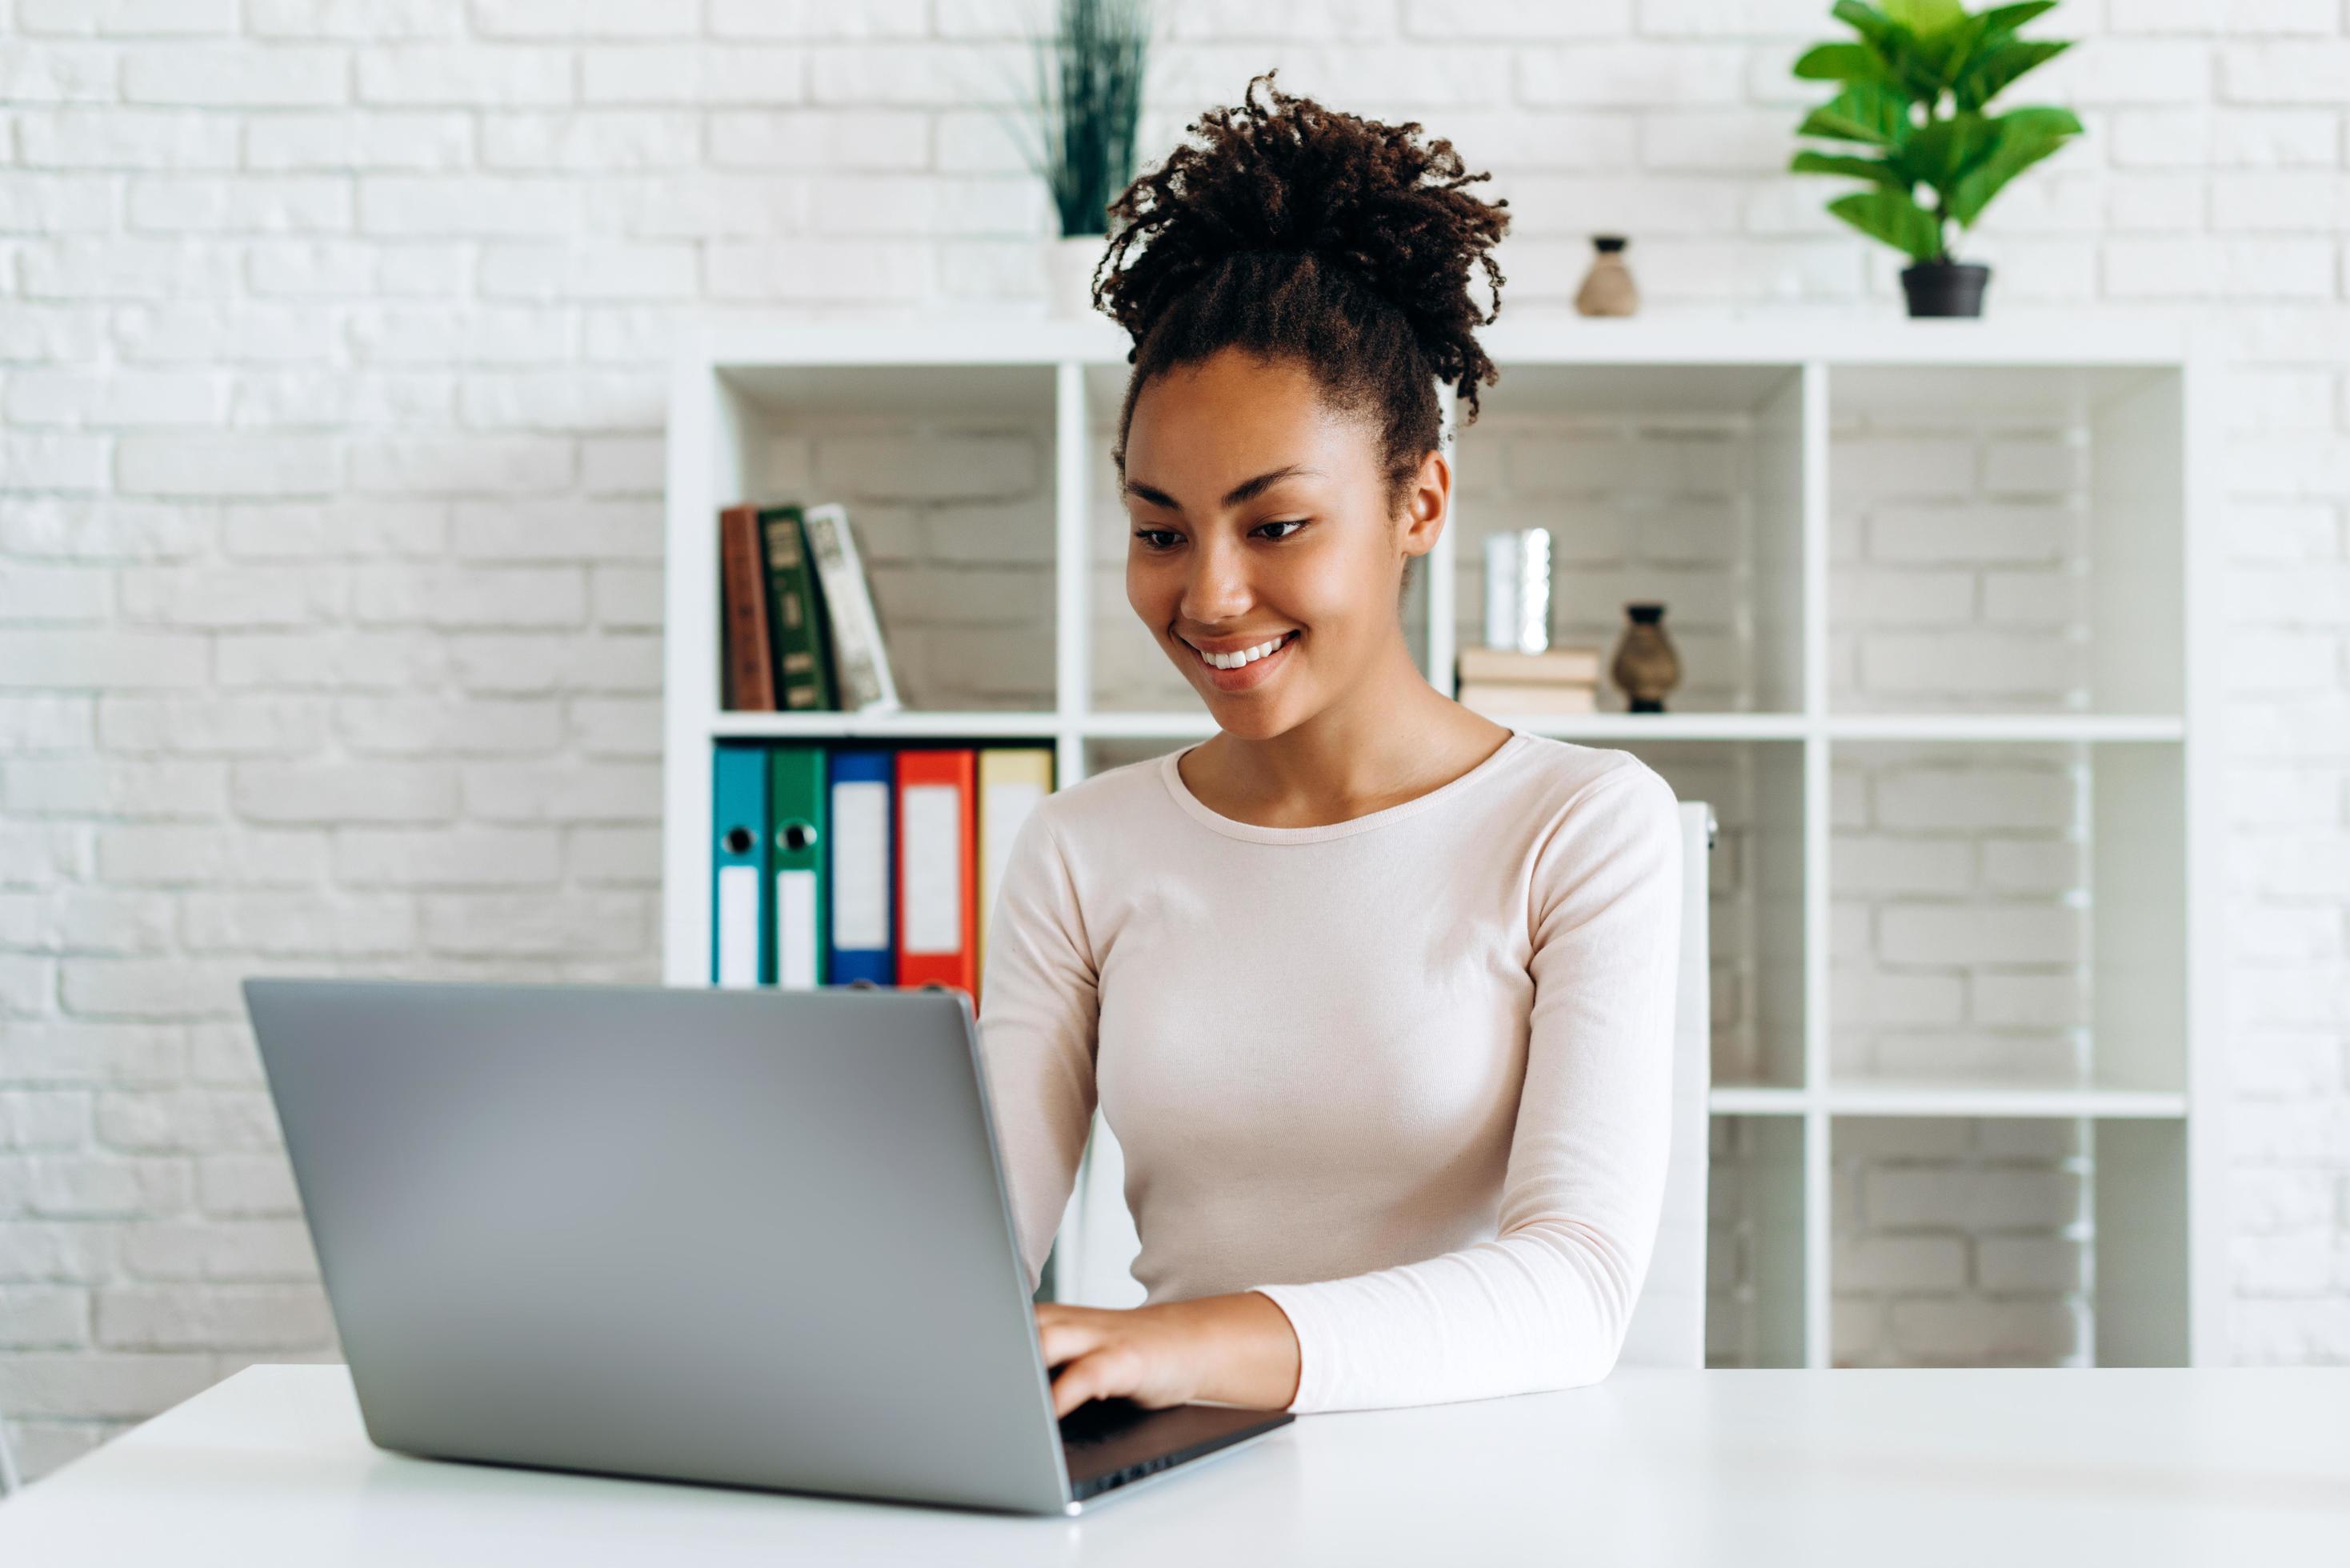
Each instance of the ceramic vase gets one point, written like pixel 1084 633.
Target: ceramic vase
pixel 1646 667
pixel 1607 288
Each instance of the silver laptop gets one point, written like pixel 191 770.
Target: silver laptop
pixel 752 1237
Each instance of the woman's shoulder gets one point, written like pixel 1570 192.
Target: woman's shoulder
pixel 1113 802
pixel 1566 776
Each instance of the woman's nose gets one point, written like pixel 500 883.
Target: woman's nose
pixel 1217 588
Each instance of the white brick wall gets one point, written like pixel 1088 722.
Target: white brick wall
pixel 331 349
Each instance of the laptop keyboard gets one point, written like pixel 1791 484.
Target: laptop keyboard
pixel 1089 1431
pixel 1109 1443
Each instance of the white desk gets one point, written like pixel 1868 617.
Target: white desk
pixel 1999 1466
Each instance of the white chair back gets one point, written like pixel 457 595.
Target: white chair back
pixel 1667 1327
pixel 1098 1244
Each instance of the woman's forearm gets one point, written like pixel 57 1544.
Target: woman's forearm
pixel 1248 1351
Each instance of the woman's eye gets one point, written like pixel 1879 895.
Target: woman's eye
pixel 1163 538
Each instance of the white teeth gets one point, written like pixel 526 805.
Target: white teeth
pixel 1246 656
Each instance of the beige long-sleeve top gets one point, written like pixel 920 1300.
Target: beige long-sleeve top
pixel 1408 1075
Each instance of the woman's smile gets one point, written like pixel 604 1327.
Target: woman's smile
pixel 1254 672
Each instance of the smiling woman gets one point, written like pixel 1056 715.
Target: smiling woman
pixel 1408 1143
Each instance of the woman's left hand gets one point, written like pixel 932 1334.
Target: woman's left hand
pixel 1236 1349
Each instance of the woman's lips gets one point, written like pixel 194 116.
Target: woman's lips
pixel 1254 673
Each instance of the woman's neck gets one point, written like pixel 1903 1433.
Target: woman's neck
pixel 1386 741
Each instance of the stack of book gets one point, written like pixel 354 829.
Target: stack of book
pixel 799 633
pixel 838 865
pixel 1507 681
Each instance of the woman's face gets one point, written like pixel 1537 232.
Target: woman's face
pixel 1259 517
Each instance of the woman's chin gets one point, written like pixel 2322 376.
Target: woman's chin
pixel 1249 720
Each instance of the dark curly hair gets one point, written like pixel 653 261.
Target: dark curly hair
pixel 1300 232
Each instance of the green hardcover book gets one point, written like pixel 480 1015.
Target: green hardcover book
pixel 797 793
pixel 826 663
pixel 802 679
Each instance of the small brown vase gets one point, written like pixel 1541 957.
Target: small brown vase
pixel 1646 667
pixel 1607 288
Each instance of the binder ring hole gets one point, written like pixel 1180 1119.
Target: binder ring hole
pixel 738 841
pixel 797 835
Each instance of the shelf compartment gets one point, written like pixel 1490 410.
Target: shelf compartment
pixel 1754 1242
pixel 2008 921
pixel 1755 925
pixel 948 472
pixel 1681 484
pixel 1961 1242
pixel 2007 539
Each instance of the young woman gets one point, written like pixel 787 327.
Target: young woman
pixel 1375 994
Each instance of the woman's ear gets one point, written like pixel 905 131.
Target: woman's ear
pixel 1427 503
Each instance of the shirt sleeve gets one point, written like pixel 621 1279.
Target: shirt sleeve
pixel 1545 1304
pixel 1038 1013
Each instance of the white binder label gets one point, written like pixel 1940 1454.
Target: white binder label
pixel 738 925
pixel 860 864
pixel 796 930
pixel 933 870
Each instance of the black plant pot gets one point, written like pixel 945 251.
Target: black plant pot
pixel 1945 288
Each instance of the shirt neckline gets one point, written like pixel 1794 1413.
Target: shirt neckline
pixel 1258 832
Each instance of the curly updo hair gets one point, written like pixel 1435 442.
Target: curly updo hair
pixel 1300 232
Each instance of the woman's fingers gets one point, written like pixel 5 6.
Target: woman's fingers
pixel 1097 1374
pixel 1102 1354
pixel 1063 1335
pixel 1071 1388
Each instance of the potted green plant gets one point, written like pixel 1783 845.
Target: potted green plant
pixel 1915 88
pixel 1086 102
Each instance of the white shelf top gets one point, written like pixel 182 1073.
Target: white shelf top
pixel 1946 1098
pixel 1691 340
pixel 1957 727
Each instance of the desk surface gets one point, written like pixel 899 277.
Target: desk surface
pixel 2239 1465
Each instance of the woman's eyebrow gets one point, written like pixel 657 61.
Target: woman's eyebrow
pixel 1245 490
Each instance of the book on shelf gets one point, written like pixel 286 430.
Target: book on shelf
pixel 800 632
pixel 803 675
pixel 873 865
pixel 1512 681
pixel 1555 666
pixel 748 669
pixel 1526 697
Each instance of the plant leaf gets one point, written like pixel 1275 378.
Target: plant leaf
pixel 1894 44
pixel 1841 63
pixel 1943 150
pixel 2005 59
pixel 2026 136
pixel 2038 120
pixel 1872 112
pixel 2008 18
pixel 1874 171
pixel 1924 17
pixel 1891 216
pixel 1863 18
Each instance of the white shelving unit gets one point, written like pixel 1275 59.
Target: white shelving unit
pixel 1731 458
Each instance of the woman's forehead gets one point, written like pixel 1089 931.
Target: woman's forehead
pixel 1231 417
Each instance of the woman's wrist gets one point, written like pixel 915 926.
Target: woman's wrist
pixel 1248 1352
